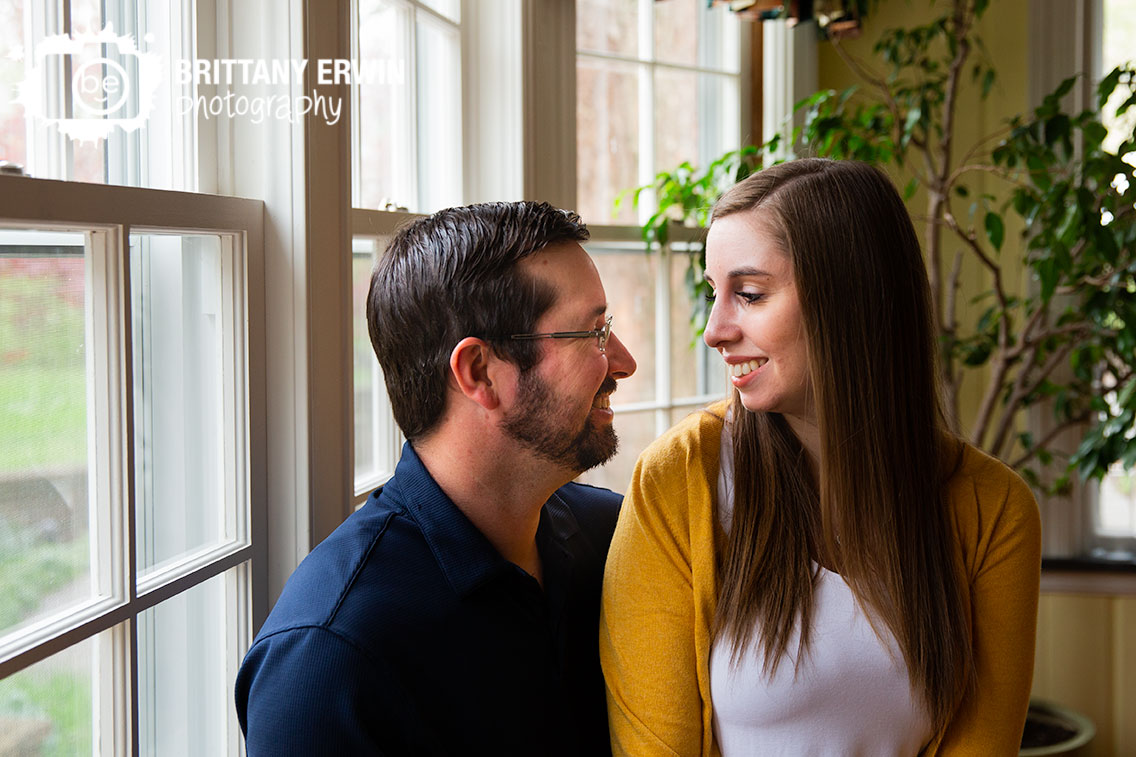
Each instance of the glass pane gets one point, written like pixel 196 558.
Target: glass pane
pixel 185 648
pixel 439 115
pixel 696 117
pixel 676 40
pixel 376 439
pixel 636 431
pixel 1119 27
pixel 179 441
pixel 678 413
pixel 88 68
pixel 608 26
pixel 44 542
pixel 48 708
pixel 13 134
pixel 607 139
pixel 449 8
pixel 629 280
pixel 1116 508
pixel 384 155
pixel 686 345
pixel 676 119
pixel 718 39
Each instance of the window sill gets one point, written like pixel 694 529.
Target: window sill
pixel 1087 575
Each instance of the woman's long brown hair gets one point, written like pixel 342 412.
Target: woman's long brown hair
pixel 878 514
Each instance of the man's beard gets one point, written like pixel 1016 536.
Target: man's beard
pixel 535 423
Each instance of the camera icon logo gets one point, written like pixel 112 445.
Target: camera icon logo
pixel 88 85
pixel 101 87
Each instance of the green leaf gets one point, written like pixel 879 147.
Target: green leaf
pixel 911 120
pixel 1125 396
pixel 1056 128
pixel 1062 89
pixel 995 230
pixel 1031 477
pixel 909 190
pixel 1070 226
pixel 1107 85
pixel 975 355
pixel 1094 132
pixel 987 82
pixel 1047 273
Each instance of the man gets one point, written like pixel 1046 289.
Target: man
pixel 457 612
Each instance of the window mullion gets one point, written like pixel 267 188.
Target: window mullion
pixel 234 484
pixel 356 128
pixel 646 70
pixel 411 47
pixel 110 439
pixel 617 58
pixel 126 673
pixel 663 383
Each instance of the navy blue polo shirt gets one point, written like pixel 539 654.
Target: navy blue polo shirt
pixel 405 632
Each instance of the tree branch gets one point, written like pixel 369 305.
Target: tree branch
pixel 951 329
pixel 972 242
pixel 1019 391
pixel 1048 439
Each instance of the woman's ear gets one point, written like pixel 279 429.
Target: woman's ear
pixel 470 364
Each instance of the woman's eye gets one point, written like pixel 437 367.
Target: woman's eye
pixel 750 297
pixel 710 296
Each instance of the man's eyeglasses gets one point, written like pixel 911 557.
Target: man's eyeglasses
pixel 600 335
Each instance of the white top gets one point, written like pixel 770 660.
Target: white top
pixel 850 696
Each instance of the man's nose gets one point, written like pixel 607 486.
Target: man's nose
pixel 619 360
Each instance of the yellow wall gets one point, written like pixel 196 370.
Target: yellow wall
pixel 1086 660
pixel 1086 653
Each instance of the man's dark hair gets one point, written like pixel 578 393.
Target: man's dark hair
pixel 453 275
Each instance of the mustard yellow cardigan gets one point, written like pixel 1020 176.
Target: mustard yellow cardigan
pixel 660 590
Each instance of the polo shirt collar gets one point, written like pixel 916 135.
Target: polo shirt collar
pixel 465 556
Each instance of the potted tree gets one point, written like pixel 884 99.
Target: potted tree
pixel 1064 341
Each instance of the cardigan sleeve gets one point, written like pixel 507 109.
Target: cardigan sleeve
pixel 1003 562
pixel 648 620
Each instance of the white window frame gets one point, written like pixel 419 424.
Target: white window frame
pixel 414 9
pixel 1064 40
pixel 111 214
pixel 646 64
pixel 379 226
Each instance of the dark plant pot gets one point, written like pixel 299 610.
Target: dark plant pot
pixel 1052 730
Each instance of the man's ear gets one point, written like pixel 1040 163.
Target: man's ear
pixel 470 367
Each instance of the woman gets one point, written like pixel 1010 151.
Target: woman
pixel 820 567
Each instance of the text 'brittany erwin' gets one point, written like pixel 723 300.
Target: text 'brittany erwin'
pixel 281 71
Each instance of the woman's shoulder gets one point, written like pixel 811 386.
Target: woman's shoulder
pixel 975 468
pixel 986 494
pixel 693 437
